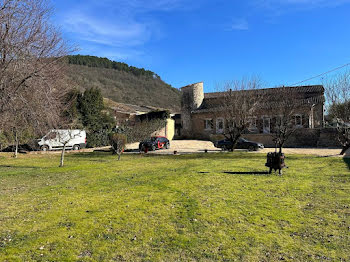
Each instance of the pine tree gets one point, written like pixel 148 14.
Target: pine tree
pixel 97 122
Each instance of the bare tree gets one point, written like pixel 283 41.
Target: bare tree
pixel 238 104
pixel 338 106
pixel 118 142
pixel 32 82
pixel 283 104
pixel 65 137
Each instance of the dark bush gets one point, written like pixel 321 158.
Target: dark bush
pixel 97 138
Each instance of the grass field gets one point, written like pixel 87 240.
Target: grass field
pixel 173 208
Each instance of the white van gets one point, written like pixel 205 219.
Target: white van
pixel 73 138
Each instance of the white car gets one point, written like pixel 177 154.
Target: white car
pixel 73 138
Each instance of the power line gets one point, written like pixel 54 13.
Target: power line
pixel 330 71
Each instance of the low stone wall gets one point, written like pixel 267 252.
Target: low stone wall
pixel 304 137
pixel 328 138
pixel 264 139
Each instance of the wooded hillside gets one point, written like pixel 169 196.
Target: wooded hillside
pixel 122 83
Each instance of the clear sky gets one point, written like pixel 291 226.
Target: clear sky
pixel 187 41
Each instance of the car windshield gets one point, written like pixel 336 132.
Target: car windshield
pixel 243 140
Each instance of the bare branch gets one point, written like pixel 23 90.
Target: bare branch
pixel 32 82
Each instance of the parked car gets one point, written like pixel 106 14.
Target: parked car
pixel 242 143
pixel 153 143
pixel 55 139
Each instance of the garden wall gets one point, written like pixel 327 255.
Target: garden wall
pixel 304 137
pixel 325 137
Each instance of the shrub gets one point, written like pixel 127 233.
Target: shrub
pixel 97 138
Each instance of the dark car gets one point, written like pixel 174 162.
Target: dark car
pixel 153 143
pixel 241 144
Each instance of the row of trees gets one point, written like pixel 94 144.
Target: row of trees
pixel 94 61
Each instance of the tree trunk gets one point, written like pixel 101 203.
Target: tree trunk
pixel 234 142
pixel 15 154
pixel 62 155
pixel 345 148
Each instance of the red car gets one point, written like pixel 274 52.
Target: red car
pixel 153 143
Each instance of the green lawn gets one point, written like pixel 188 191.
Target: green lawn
pixel 173 208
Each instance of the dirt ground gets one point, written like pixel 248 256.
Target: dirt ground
pixel 197 146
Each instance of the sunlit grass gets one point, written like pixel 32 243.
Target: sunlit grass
pixel 151 208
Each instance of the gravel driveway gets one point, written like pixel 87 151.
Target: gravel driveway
pixel 197 146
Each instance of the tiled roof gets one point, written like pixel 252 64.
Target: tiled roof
pixel 301 89
pixel 306 95
pixel 129 108
pixel 134 109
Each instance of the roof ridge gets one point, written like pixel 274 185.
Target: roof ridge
pixel 306 89
pixel 268 88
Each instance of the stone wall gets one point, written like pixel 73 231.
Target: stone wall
pixel 328 138
pixel 198 130
pixel 303 137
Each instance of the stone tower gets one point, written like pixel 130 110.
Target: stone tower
pixel 191 99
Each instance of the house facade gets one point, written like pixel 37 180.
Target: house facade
pixel 201 119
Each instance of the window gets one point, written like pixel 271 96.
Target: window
pixel 229 123
pixel 253 123
pixel 208 124
pixel 298 120
pixel 51 135
pixel 219 125
pixel 266 125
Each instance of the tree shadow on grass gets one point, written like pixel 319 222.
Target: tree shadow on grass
pixel 219 156
pixel 131 151
pixel 20 167
pixel 240 172
pixel 347 161
pixel 102 150
pixel 247 173
pixel 181 156
pixel 90 154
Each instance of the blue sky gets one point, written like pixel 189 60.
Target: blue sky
pixel 186 41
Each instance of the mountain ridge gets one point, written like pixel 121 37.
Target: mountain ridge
pixel 122 83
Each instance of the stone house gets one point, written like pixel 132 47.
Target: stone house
pixel 201 120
